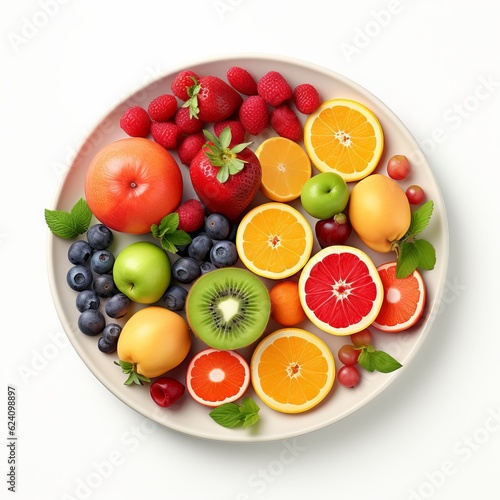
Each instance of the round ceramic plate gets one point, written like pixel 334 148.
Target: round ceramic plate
pixel 187 416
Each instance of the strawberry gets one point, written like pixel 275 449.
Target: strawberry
pixel 166 134
pixel 135 122
pixel 225 179
pixel 182 82
pixel 162 108
pixel 212 100
pixel 191 215
pixel 306 98
pixel 189 147
pixel 254 114
pixel 274 88
pixel 186 123
pixel 286 123
pixel 241 80
pixel 237 131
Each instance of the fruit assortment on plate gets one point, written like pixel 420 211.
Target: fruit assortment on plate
pixel 220 268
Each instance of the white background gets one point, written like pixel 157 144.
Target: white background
pixel 435 432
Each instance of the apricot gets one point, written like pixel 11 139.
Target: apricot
pixel 379 212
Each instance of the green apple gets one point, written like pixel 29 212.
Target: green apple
pixel 324 195
pixel 142 271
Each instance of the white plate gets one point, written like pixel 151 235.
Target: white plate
pixel 188 416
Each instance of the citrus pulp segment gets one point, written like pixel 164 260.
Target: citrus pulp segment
pixel 274 240
pixel 340 290
pixel 216 377
pixel 292 370
pixel 344 136
pixel 404 299
pixel 285 168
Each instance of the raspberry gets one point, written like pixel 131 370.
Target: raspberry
pixel 306 98
pixel 162 108
pixel 237 131
pixel 135 122
pixel 166 134
pixel 254 114
pixel 189 147
pixel 274 89
pixel 181 82
pixel 241 80
pixel 191 215
pixel 286 123
pixel 186 124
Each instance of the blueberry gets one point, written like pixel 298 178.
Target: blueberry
pixel 175 298
pixel 104 285
pixel 80 252
pixel 185 270
pixel 87 299
pixel 206 267
pixel 217 226
pixel 102 261
pixel 224 254
pixel 117 306
pixel 200 247
pixel 109 340
pixel 91 322
pixel 79 278
pixel 105 347
pixel 99 237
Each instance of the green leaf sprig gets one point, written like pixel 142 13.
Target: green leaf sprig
pixel 222 156
pixel 412 252
pixel 232 415
pixel 69 225
pixel 170 237
pixel 371 359
pixel 130 369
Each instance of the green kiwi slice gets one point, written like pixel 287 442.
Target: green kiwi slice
pixel 228 308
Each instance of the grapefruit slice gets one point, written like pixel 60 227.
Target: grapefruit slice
pixel 404 299
pixel 292 370
pixel 215 377
pixel 340 290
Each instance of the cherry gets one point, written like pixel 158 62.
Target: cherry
pixel 398 167
pixel 415 194
pixel 349 376
pixel 333 231
pixel 165 391
pixel 348 355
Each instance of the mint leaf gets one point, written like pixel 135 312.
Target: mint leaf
pixel 420 219
pixel 426 254
pixel 365 360
pixel 170 237
pixel 69 225
pixel 371 360
pixel 232 415
pixel 408 259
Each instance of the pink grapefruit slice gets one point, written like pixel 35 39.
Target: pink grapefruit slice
pixel 404 299
pixel 215 377
pixel 340 290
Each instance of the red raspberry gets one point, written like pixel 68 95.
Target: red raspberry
pixel 135 122
pixel 191 215
pixel 254 114
pixel 162 108
pixel 306 98
pixel 241 80
pixel 167 134
pixel 237 131
pixel 286 123
pixel 274 89
pixel 189 147
pixel 186 124
pixel 181 82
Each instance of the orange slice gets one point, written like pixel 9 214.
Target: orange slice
pixel 274 240
pixel 404 299
pixel 340 290
pixel 215 377
pixel 345 137
pixel 292 370
pixel 285 168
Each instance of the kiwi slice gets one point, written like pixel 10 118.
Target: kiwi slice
pixel 228 308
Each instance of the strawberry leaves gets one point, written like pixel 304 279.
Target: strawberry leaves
pixel 170 237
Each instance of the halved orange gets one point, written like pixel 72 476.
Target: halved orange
pixel 345 137
pixel 404 299
pixel 340 290
pixel 292 370
pixel 215 377
pixel 285 168
pixel 274 240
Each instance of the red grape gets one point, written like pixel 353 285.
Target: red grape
pixel 398 167
pixel 348 355
pixel 415 194
pixel 362 338
pixel 333 231
pixel 349 376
